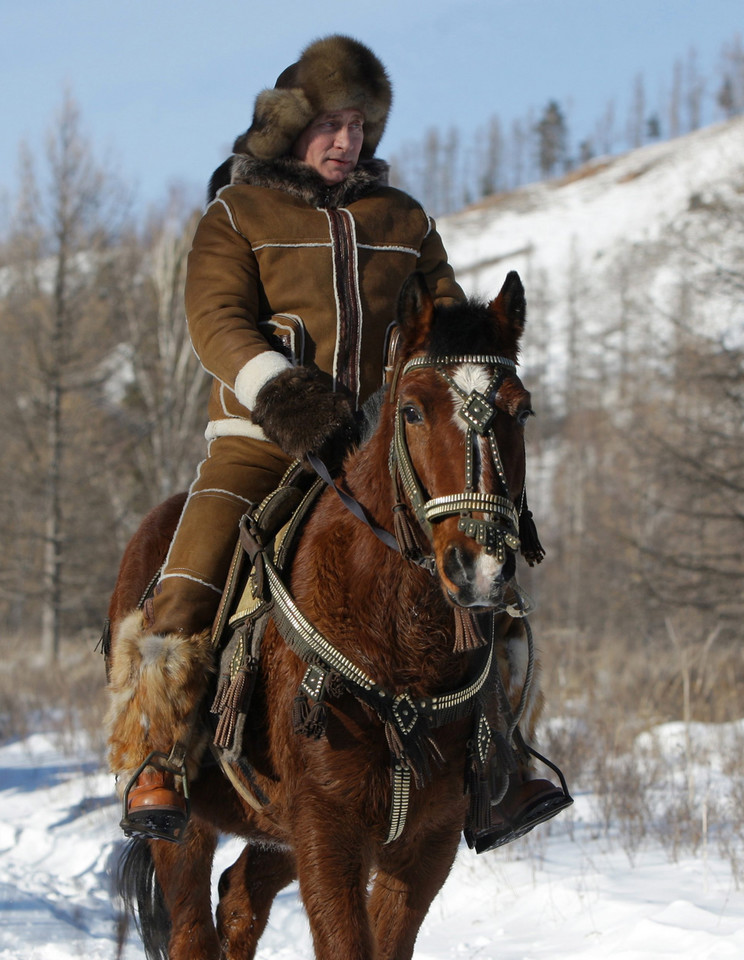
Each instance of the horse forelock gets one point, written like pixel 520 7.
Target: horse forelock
pixel 465 328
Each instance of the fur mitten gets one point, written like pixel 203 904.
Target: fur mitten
pixel 301 416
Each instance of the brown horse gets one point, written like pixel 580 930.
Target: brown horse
pixel 451 425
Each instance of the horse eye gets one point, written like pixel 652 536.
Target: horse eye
pixel 411 414
pixel 524 415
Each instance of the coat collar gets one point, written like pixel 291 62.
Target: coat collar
pixel 298 179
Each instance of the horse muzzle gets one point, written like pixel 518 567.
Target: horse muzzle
pixel 473 577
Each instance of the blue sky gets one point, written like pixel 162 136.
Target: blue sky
pixel 164 86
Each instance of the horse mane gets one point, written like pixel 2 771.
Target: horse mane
pixel 370 415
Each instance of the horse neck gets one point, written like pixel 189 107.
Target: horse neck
pixel 396 623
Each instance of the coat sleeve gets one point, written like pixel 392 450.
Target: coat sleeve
pixel 433 263
pixel 222 306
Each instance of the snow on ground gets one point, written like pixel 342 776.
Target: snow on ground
pixel 566 891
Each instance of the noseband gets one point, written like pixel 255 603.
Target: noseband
pixel 498 530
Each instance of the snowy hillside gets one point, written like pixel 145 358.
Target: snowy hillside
pixel 612 239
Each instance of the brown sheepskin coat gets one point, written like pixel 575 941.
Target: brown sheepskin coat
pixel 285 268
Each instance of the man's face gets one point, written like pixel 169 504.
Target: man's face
pixel 331 144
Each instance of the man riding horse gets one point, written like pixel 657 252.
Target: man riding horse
pixel 292 279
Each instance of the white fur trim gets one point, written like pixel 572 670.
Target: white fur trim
pixel 234 427
pixel 256 373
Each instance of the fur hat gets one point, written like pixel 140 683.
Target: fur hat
pixel 335 73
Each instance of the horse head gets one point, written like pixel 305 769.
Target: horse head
pixel 457 453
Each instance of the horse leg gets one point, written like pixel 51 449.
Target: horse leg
pixel 333 863
pixel 184 872
pixel 246 892
pixel 406 882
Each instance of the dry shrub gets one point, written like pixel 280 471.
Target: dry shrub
pixel 602 696
pixel 66 699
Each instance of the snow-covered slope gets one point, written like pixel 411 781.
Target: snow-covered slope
pixel 613 242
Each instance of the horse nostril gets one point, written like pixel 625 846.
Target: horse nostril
pixel 457 565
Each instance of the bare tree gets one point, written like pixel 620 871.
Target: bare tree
pixel 674 111
pixel 160 389
pixel 694 91
pixel 605 130
pixel 491 172
pixel 54 321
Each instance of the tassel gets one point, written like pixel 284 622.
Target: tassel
pixel 233 704
pixel 225 731
pixel 468 634
pixel 417 753
pixel 309 718
pixel 300 710
pixel 335 686
pixel 316 720
pixel 394 742
pixel 477 788
pixel 405 533
pixel 220 698
pixel 532 549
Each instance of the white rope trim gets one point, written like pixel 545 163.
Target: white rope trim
pixel 230 216
pixel 180 519
pixel 227 493
pixel 357 359
pixel 185 576
pixel 290 246
pixel 336 300
pixel 389 248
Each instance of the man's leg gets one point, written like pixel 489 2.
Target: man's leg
pixel 162 655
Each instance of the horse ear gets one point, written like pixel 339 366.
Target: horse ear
pixel 509 310
pixel 415 313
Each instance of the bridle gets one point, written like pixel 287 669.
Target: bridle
pixel 498 530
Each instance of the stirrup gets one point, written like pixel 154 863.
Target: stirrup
pixel 512 829
pixel 157 824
